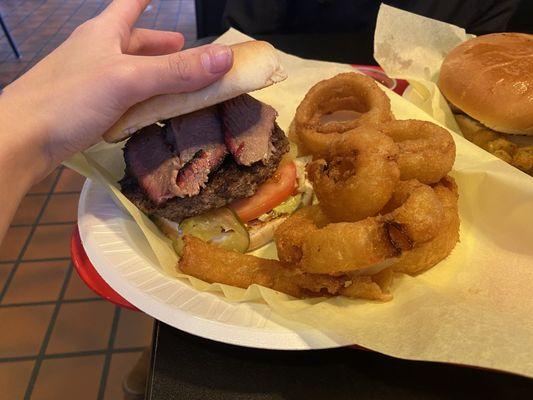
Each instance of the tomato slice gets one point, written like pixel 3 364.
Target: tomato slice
pixel 270 194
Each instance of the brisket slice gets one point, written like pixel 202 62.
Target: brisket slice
pixel 230 182
pixel 198 140
pixel 247 125
pixel 150 158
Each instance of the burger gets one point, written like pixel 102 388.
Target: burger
pixel 488 82
pixel 213 163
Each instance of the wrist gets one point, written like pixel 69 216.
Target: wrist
pixel 23 151
pixel 21 167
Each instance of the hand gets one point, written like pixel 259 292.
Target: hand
pixel 69 99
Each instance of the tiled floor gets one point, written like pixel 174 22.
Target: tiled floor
pixel 58 340
pixel 39 26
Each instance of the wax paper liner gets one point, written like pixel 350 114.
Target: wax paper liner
pixel 473 308
pixel 411 47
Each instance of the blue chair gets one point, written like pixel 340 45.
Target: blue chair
pixel 9 38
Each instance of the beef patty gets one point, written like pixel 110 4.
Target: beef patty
pixel 229 182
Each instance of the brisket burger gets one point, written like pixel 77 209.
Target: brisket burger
pixel 488 81
pixel 213 163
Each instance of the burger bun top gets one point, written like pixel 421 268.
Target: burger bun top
pixel 490 78
pixel 255 65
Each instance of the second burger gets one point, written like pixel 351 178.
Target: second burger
pixel 488 81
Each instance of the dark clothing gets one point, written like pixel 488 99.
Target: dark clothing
pixel 299 16
pixel 348 16
pixel 476 16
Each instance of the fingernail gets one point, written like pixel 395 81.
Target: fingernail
pixel 218 58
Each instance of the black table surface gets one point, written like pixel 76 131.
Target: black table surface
pixel 188 367
pixel 184 366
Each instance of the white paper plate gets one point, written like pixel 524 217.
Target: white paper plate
pixel 106 232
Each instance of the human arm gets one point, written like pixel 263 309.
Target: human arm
pixel 70 98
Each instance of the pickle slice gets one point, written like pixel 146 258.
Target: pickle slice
pixel 220 227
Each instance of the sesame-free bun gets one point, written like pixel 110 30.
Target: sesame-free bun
pixel 255 65
pixel 490 78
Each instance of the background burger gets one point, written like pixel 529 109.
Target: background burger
pixel 214 163
pixel 488 81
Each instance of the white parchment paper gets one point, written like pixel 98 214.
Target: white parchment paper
pixel 473 308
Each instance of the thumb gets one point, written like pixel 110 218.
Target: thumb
pixel 184 71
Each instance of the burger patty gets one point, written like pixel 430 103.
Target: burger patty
pixel 229 182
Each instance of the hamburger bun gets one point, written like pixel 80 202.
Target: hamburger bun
pixel 255 65
pixel 490 78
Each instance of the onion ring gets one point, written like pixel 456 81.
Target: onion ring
pixel 291 234
pixel 427 151
pixel 343 247
pixel 426 255
pixel 359 179
pixel 417 208
pixel 347 91
pixel 215 264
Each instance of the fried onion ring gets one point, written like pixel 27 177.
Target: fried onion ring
pixel 291 234
pixel 343 247
pixel 215 264
pixel 426 255
pixel 417 208
pixel 426 151
pixel 348 91
pixel 359 179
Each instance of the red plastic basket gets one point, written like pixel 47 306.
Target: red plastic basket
pixel 90 276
